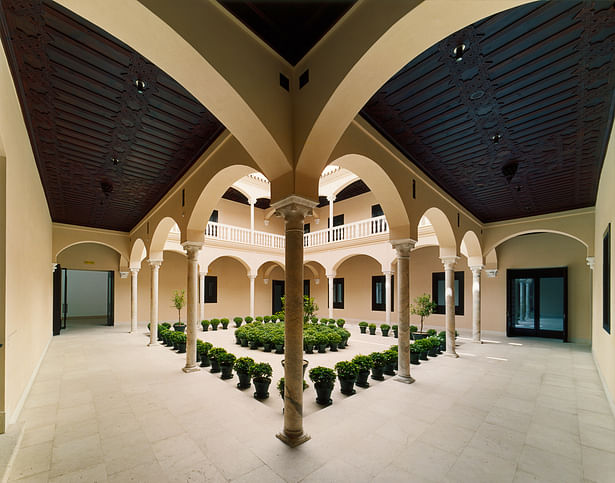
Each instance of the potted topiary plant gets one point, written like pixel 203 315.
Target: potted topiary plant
pixel 423 348
pixel 181 342
pixel 413 329
pixel 205 324
pixel 363 326
pixel 384 328
pixel 214 324
pixel 390 359
pixel 267 319
pixel 395 331
pixel 179 301
pixel 396 349
pixel 423 306
pixel 224 323
pixel 340 322
pixel 432 332
pixel 378 362
pixel 334 340
pixel 324 321
pixel 442 337
pixel 242 368
pixel 314 320
pixel 253 339
pixel 434 345
pixel 372 329
pixel 347 372
pixel 321 341
pixel 415 352
pixel 324 380
pixel 203 350
pixel 278 342
pixel 226 361
pixel 166 325
pixel 213 358
pixel 364 363
pixel 309 341
pixel 267 340
pixel 161 334
pixel 261 377
pixel 238 321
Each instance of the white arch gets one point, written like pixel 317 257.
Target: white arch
pixel 123 260
pixel 443 231
pixel 525 232
pixel 138 253
pixel 160 236
pixel 471 249
pixel 339 263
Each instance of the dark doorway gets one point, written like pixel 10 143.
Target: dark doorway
pixel 277 292
pixel 57 300
pixel 537 303
pixel 306 288
pixel 86 297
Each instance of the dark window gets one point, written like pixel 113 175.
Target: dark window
pixel 306 287
pixel 439 293
pixel 606 279
pixel 306 228
pixel 338 220
pixel 338 293
pixel 214 216
pixel 211 290
pixel 377 211
pixel 379 292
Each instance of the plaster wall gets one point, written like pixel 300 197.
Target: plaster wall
pixel 603 343
pixel 94 256
pixel 238 214
pixel 25 257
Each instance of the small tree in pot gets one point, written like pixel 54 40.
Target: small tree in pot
pixel 281 386
pixel 372 329
pixel 261 377
pixel 324 380
pixel 347 373
pixel 423 306
pixel 242 368
pixel 364 363
pixel 179 302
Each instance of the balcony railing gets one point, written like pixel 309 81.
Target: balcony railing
pixel 351 231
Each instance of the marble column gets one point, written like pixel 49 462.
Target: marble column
pixel 201 296
pixel 153 305
pixel 403 248
pixel 387 295
pixel 251 277
pixel 449 287
pixel 293 209
pixel 330 280
pixel 192 251
pixel 476 292
pixel 134 294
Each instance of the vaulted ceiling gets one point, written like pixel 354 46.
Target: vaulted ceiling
pixel 510 115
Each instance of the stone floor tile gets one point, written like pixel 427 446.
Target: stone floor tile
pixel 41 434
pixel 262 474
pixel 94 474
pixel 598 465
pixel 499 441
pixel 75 455
pixel 150 472
pixel 424 461
pixel 549 466
pixel 477 466
pixel 597 437
pixel 31 460
pixel 557 441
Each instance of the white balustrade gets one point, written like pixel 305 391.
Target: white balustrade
pixel 236 234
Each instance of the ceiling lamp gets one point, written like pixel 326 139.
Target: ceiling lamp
pixel 115 161
pixel 495 139
pixel 140 85
pixel 509 170
pixel 459 51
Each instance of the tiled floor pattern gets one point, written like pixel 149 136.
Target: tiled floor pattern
pixel 105 407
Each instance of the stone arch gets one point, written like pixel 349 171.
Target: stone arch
pixel 274 264
pixel 339 263
pixel 491 260
pixel 384 189
pixel 138 253
pixel 209 197
pixel 357 69
pixel 471 249
pixel 493 246
pixel 159 238
pixel 191 44
pixel 443 230
pixel 237 258
pixel 123 265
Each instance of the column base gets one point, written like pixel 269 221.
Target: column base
pixel 293 441
pixel 477 341
pixel 191 369
pixel 404 379
pixel 153 344
pixel 451 354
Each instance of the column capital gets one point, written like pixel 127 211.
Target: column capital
pixel 251 201
pixel 591 261
pixel 387 273
pixel 331 198
pixel 294 205
pixel 134 271
pixel 154 263
pixel 330 275
pixel 449 262
pixel 491 272
pixel 54 266
pixel 251 276
pixel 403 246
pixel 476 269
pixel 123 274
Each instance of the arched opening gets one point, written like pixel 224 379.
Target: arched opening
pixel 138 253
pixel 442 230
pixel 471 249
pixel 160 237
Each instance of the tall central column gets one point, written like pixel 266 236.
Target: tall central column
pixel 387 296
pixel 251 277
pixel 330 281
pixel 293 209
pixel 153 304
pixel 134 293
pixel 449 287
pixel 192 251
pixel 403 247
pixel 201 296
pixel 476 332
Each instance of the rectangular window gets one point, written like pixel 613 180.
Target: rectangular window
pixel 306 288
pixel 606 279
pixel 214 216
pixel 379 292
pixel 438 293
pixel 338 220
pixel 338 293
pixel 377 211
pixel 211 289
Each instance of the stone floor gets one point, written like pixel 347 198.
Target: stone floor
pixel 105 407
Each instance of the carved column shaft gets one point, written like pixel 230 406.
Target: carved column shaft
pixel 476 293
pixel 449 287
pixel 388 295
pixel 192 251
pixel 403 248
pixel 134 294
pixel 153 307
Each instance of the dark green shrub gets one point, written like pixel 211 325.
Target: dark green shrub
pixel 346 370
pixel 364 363
pixel 378 359
pixel 363 324
pixel 226 359
pixel 340 322
pixel 261 372
pixel 322 375
pixel 244 364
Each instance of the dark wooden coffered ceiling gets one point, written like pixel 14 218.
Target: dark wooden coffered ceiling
pixel 83 109
pixel 519 125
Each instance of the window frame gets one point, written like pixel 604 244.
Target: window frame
pixel 210 281
pixel 459 278
pixel 382 279
pixel 337 304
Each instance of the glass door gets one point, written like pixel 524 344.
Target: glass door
pixel 537 302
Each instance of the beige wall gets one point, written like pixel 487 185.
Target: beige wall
pixel 100 257
pixel 354 209
pixel 26 312
pixel 540 251
pixel 603 344
pixel 238 214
